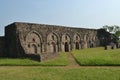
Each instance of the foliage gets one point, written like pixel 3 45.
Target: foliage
pixel 117 33
pixel 61 60
pixel 58 73
pixel 113 29
pixel 97 56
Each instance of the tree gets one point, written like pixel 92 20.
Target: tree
pixel 117 34
pixel 113 29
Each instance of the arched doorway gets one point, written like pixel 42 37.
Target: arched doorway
pixel 66 47
pixel 77 41
pixel 33 43
pixel 66 43
pixel 52 39
pixel 34 49
pixel 77 45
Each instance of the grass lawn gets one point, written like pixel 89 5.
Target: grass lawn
pixel 61 60
pixel 52 73
pixel 25 69
pixel 97 56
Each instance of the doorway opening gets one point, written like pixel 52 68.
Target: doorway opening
pixel 77 45
pixel 54 47
pixel 66 47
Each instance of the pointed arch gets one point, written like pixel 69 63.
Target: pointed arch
pixel 52 37
pixel 33 43
pixel 52 40
pixel 66 37
pixel 76 37
pixel 77 41
pixel 35 32
pixel 66 42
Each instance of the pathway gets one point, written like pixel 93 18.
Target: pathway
pixel 72 61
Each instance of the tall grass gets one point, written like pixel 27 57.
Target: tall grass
pixel 97 56
pixel 61 60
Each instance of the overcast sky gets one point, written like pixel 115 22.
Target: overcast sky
pixel 73 13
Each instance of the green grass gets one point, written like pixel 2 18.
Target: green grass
pixel 61 60
pixel 51 73
pixel 25 69
pixel 97 56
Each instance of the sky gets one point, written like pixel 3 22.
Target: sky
pixel 73 13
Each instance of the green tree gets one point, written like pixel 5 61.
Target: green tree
pixel 117 33
pixel 113 29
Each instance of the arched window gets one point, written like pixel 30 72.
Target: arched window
pixel 33 40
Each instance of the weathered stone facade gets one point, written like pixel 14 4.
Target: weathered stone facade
pixel 43 42
pixel 2 47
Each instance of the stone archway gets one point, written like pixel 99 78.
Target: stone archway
pixel 33 43
pixel 52 40
pixel 66 43
pixel 66 47
pixel 77 41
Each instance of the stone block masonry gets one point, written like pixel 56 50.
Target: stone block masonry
pixel 44 42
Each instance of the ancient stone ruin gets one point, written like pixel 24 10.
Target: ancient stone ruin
pixel 42 42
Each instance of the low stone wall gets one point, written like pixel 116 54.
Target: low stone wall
pixel 35 57
pixel 47 56
pixel 40 57
pixel 107 47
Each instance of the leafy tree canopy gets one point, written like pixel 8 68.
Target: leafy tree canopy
pixel 113 29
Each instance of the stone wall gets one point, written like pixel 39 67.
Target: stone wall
pixel 47 40
pixel 2 47
pixel 10 38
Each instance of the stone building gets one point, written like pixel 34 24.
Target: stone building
pixel 42 42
